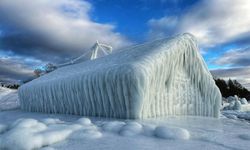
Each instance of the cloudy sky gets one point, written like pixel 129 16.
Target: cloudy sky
pixel 35 32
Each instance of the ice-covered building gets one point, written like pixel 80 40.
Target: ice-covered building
pixel 159 78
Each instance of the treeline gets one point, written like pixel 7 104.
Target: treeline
pixel 10 86
pixel 231 88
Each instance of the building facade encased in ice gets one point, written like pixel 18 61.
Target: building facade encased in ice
pixel 159 78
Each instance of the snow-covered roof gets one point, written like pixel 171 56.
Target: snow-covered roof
pixel 127 57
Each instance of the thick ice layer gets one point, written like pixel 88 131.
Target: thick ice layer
pixel 164 77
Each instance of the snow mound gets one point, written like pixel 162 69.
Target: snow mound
pixel 131 129
pixel 84 121
pixel 28 134
pixel 173 133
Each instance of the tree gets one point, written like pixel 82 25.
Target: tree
pixel 231 88
pixel 222 85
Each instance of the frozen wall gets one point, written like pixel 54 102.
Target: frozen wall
pixel 163 77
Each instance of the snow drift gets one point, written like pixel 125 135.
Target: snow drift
pixel 159 78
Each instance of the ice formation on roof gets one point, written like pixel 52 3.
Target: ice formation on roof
pixel 159 78
pixel 106 49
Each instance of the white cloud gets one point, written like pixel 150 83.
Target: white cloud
pixel 61 24
pixel 212 22
pixel 13 68
pixel 37 31
pixel 234 57
pixel 16 66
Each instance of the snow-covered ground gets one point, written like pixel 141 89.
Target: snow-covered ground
pixel 8 99
pixel 25 130
pixel 234 114
pixel 235 103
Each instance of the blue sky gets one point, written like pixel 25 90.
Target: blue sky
pixel 131 17
pixel 33 33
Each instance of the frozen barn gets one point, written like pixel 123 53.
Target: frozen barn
pixel 159 78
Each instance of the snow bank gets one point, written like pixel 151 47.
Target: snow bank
pixel 134 128
pixel 27 134
pixel 159 78
pixel 236 103
pixel 131 129
pixel 205 132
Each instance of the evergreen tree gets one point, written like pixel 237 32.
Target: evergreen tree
pixel 231 88
pixel 222 85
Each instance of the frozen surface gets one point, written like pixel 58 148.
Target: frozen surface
pixel 8 99
pixel 24 131
pixel 172 133
pixel 159 78
pixel 21 130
